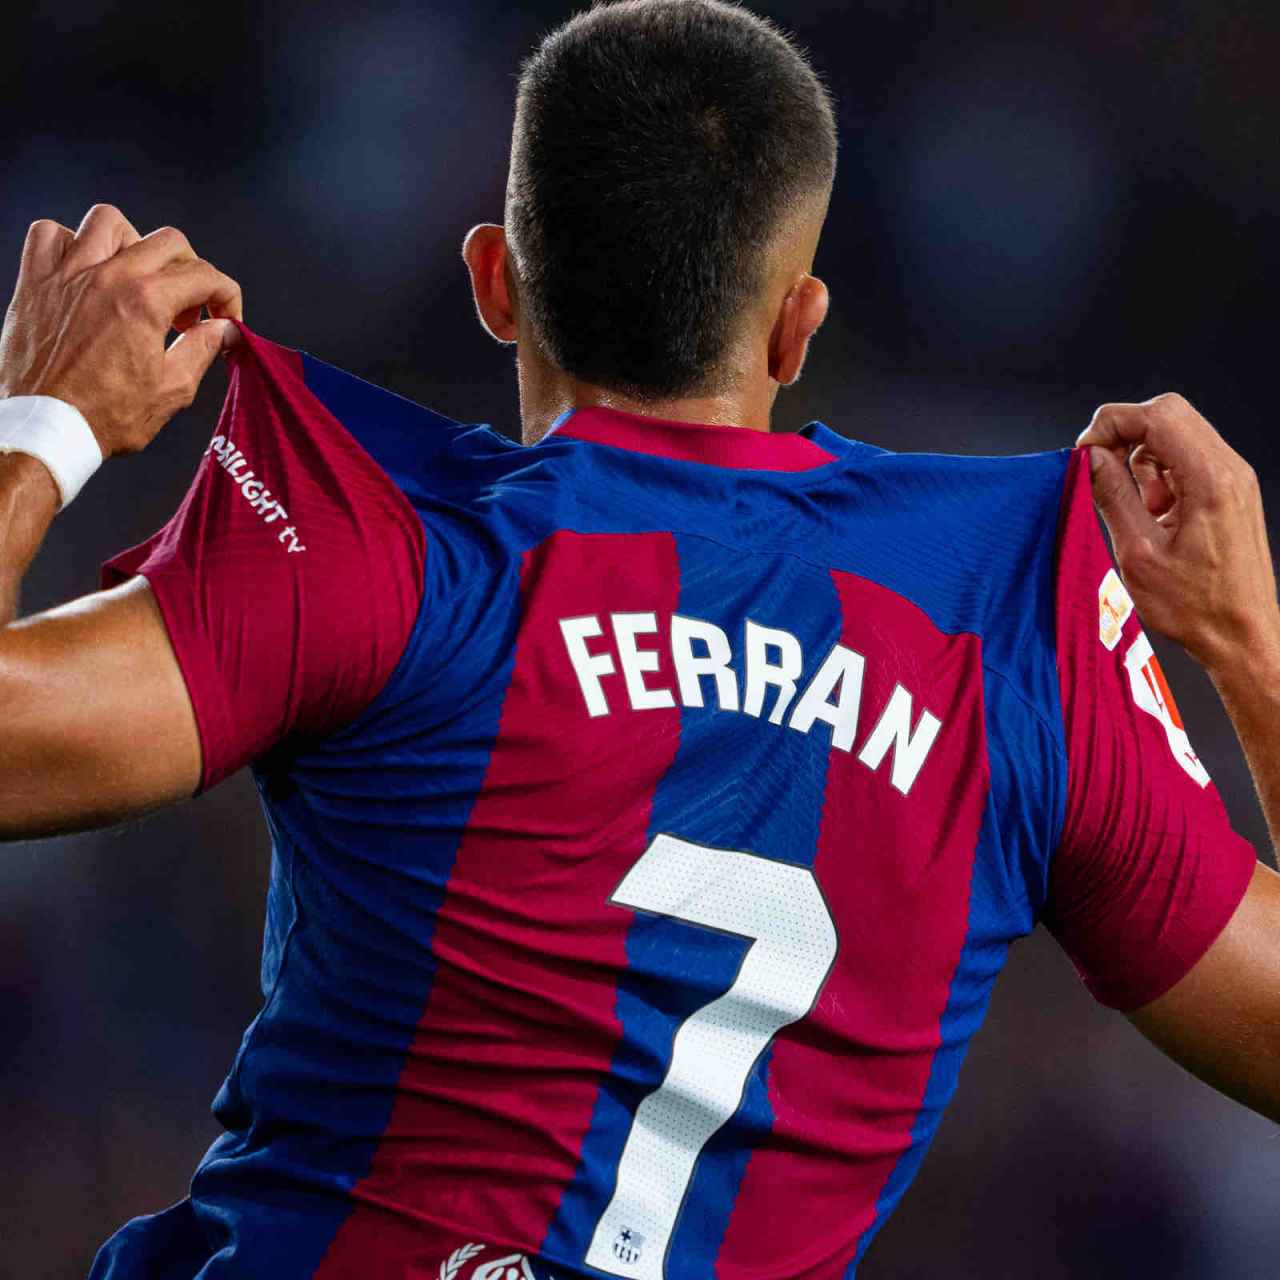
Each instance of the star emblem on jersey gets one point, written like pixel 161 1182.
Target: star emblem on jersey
pixel 628 1246
pixel 1115 604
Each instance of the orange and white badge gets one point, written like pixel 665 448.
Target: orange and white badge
pixel 1115 604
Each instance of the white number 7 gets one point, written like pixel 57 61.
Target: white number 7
pixel 780 907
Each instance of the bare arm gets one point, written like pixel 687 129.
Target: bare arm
pixel 95 721
pixel 1222 1021
pixel 28 503
pixel 1190 538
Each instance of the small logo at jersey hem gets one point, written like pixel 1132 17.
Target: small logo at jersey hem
pixel 511 1266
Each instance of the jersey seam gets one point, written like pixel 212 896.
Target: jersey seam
pixel 791 479
pixel 1059 730
pixel 251 1035
pixel 1009 683
pixel 424 618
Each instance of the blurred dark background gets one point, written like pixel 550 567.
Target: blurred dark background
pixel 1039 207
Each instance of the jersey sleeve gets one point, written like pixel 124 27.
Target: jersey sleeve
pixel 1148 870
pixel 290 578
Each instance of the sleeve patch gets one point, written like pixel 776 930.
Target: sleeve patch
pixel 1152 694
pixel 1115 605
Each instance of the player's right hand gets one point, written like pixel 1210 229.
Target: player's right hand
pixel 1185 516
pixel 90 316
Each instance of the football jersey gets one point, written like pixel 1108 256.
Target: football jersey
pixel 652 809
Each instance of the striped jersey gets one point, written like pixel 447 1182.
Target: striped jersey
pixel 652 809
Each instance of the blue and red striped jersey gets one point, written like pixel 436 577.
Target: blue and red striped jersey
pixel 652 809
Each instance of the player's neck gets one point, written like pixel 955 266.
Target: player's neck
pixel 544 400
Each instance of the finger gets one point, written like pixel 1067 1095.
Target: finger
pixel 188 357
pixel 158 249
pixel 102 233
pixel 1120 504
pixel 1152 480
pixel 185 320
pixel 185 285
pixel 1179 438
pixel 46 244
pixel 231 311
pixel 1152 421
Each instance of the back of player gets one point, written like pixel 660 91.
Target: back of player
pixel 652 809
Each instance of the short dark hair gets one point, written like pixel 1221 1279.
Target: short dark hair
pixel 659 145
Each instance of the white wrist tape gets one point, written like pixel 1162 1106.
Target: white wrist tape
pixel 56 433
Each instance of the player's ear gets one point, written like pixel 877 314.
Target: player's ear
pixel 803 310
pixel 485 253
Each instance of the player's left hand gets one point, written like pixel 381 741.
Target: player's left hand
pixel 90 316
pixel 1185 515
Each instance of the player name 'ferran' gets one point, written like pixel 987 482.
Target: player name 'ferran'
pixel 774 662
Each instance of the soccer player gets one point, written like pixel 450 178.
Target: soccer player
pixel 653 803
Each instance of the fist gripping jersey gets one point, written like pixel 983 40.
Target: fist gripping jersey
pixel 652 810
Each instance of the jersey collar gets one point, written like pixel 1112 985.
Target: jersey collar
pixel 717 446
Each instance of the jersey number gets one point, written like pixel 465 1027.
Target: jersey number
pixel 781 909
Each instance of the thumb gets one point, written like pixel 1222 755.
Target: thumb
pixel 188 357
pixel 1118 501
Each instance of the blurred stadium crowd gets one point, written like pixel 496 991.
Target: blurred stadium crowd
pixel 1040 207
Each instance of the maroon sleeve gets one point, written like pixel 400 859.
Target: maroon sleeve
pixel 1148 871
pixel 290 577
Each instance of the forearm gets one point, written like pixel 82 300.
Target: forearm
pixel 1249 686
pixel 28 502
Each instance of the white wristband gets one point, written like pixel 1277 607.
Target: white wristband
pixel 56 433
